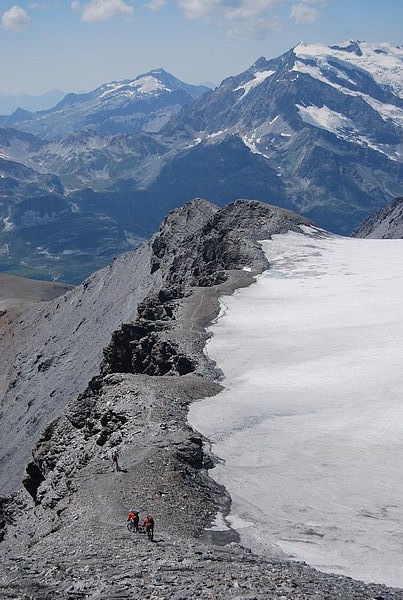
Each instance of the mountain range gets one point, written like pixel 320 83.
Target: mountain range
pixel 144 103
pixel 317 130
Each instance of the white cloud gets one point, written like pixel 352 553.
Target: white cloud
pixel 195 9
pixel 303 13
pixel 104 10
pixel 45 5
pixel 240 18
pixel 156 4
pixel 253 28
pixel 249 18
pixel 15 19
pixel 249 9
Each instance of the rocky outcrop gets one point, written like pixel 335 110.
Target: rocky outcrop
pixel 384 224
pixel 141 347
pixel 227 241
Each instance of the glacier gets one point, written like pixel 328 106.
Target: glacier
pixel 309 427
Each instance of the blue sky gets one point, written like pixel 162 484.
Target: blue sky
pixel 78 45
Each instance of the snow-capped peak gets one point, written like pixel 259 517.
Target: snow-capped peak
pixel 383 62
pixel 148 83
pixel 144 84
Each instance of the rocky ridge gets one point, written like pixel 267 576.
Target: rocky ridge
pixel 64 533
pixel 386 223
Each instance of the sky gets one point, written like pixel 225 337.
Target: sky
pixel 308 429
pixel 78 45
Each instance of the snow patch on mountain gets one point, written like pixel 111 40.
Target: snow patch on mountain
pixel 258 78
pixel 217 133
pixel 325 118
pixel 252 141
pixel 337 64
pixel 8 224
pixel 144 85
pixel 336 123
pixel 385 110
pixel 383 62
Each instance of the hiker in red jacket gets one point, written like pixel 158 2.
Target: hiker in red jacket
pixel 149 526
pixel 134 518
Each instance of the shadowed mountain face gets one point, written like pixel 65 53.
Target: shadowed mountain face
pixel 317 130
pixel 115 363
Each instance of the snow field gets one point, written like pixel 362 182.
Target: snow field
pixel 310 424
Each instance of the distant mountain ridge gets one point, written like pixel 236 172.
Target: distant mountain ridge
pixel 318 130
pixel 10 102
pixel 144 103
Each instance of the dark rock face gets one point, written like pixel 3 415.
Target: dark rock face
pixel 64 530
pixel 227 241
pixel 138 348
pixel 34 478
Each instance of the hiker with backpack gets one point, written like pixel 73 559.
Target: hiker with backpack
pixel 134 518
pixel 115 458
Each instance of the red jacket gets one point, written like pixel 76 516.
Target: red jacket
pixel 149 522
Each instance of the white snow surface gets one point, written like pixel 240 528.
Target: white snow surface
pixel 142 85
pixel 258 78
pixel 325 118
pixel 343 127
pixel 383 61
pixel 309 426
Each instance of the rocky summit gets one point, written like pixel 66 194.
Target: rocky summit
pixel 114 364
